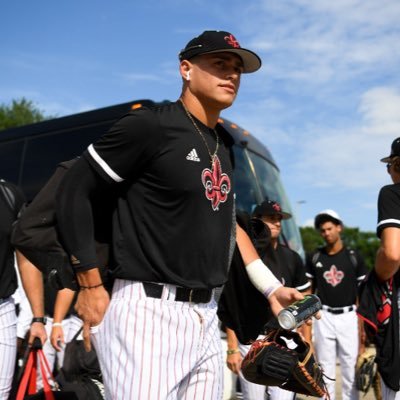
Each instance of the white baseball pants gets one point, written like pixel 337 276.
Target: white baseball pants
pixel 8 345
pixel 152 348
pixel 336 336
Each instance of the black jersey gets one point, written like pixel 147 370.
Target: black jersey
pixel 388 207
pixel 174 218
pixel 8 214
pixel 335 276
pixel 288 267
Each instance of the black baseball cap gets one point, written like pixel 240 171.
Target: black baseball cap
pixel 220 41
pixel 394 151
pixel 269 207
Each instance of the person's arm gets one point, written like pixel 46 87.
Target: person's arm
pixel 262 278
pixel 233 356
pixel 387 260
pixel 32 281
pixel 76 227
pixel 62 304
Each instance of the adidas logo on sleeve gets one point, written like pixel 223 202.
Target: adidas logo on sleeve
pixel 192 156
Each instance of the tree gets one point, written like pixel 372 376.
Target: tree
pixel 20 112
pixel 365 242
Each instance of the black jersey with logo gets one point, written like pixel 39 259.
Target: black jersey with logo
pixel 8 214
pixel 174 216
pixel 287 266
pixel 335 277
pixel 388 207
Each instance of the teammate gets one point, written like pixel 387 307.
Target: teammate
pixel 335 272
pixel 288 267
pixel 11 200
pixel 173 233
pixel 387 267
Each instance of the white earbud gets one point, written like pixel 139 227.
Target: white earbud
pixel 188 75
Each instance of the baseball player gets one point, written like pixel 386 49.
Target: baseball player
pixel 387 267
pixel 173 233
pixel 335 272
pixel 11 200
pixel 288 267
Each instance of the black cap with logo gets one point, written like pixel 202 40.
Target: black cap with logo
pixel 394 151
pixel 220 41
pixel 270 207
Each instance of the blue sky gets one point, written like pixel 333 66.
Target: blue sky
pixel 326 101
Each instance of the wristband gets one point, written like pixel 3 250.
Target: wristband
pixel 233 351
pixel 42 320
pixel 57 324
pixel 90 287
pixel 262 278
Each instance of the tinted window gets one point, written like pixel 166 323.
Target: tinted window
pixel 10 156
pixel 255 180
pixel 45 152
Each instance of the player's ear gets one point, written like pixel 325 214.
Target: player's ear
pixel 184 69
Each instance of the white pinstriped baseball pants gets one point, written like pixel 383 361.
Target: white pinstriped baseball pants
pixel 8 346
pixel 158 348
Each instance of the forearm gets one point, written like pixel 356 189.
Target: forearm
pixel 32 281
pixel 75 216
pixel 63 303
pixel 231 339
pixel 385 266
pixel 259 274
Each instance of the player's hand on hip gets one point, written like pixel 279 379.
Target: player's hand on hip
pixel 37 330
pixel 283 297
pixel 91 305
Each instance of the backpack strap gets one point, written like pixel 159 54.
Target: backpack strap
pixel 353 257
pixel 315 257
pixel 8 195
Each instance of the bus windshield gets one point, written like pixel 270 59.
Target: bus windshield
pixel 257 179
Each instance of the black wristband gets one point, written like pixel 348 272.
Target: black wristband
pixel 42 320
pixel 90 287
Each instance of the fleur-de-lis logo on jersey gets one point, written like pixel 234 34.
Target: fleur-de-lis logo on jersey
pixel 333 276
pixel 232 41
pixel 216 183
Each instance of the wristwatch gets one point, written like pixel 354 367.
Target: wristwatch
pixel 43 320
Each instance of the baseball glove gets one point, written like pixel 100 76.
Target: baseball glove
pixel 284 359
pixel 366 370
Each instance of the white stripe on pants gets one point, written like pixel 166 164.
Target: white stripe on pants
pixel 8 346
pixel 158 348
pixel 336 335
pixel 252 391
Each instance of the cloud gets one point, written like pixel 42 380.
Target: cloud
pixel 349 156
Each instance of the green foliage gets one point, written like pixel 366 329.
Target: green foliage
pixel 365 242
pixel 20 112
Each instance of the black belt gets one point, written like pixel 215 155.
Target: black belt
pixel 182 294
pixel 338 310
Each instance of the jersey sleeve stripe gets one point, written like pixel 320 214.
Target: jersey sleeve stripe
pixel 389 221
pixel 360 278
pixel 308 275
pixel 106 168
pixel 303 287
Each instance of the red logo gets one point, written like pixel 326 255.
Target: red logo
pixel 333 276
pixel 232 41
pixel 216 183
pixel 385 310
pixel 276 207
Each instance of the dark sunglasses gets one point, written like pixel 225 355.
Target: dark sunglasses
pixel 388 165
